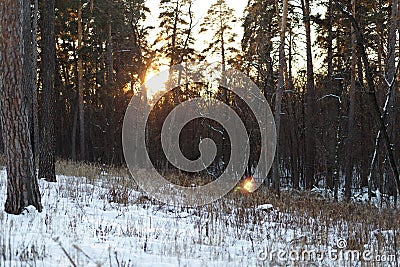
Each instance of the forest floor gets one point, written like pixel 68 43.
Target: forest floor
pixel 102 219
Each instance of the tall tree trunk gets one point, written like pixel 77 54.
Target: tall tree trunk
pixel 174 35
pixel 80 87
pixel 310 149
pixel 110 84
pixel 294 147
pixel 350 125
pixel 223 59
pixel 109 53
pixel 379 28
pixel 22 185
pixel 391 67
pixel 392 38
pixel 332 89
pixel 74 128
pixel 330 39
pixel 29 74
pixel 35 102
pixel 375 109
pixel 48 69
pixel 280 86
pixel 390 80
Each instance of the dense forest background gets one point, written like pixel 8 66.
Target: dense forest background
pixel 337 121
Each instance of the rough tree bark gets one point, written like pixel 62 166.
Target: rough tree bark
pixel 22 186
pixel 35 102
pixel 48 70
pixel 29 74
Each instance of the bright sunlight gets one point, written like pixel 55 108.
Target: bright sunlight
pixel 155 81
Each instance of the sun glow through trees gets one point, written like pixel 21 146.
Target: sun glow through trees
pixel 155 81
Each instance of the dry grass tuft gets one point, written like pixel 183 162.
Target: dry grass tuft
pixel 78 169
pixel 182 179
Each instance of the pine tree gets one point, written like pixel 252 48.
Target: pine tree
pixel 310 147
pixel 48 72
pixel 176 23
pixel 260 26
pixel 219 23
pixel 279 91
pixel 22 185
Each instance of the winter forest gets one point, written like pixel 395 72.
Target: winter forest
pixel 328 71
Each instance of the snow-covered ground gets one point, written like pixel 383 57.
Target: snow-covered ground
pixel 79 226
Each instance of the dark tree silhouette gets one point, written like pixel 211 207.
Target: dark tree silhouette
pixel 48 68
